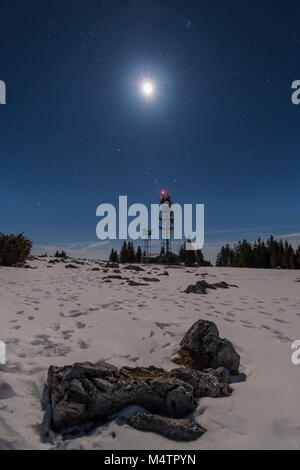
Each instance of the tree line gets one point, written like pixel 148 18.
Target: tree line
pixel 129 255
pixel 260 254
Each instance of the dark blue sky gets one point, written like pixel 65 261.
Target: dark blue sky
pixel 221 130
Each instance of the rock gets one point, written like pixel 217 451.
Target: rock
pixel 164 274
pixel 202 348
pixel 207 383
pixel 201 287
pixel 113 276
pixel 134 268
pixel 71 266
pixel 53 261
pixel 6 391
pixel 150 279
pixel 223 285
pixel 87 392
pixel 176 429
pixel 95 269
pixel 112 265
pixel 136 284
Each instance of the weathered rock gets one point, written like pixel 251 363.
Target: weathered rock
pixel 207 383
pixel 202 348
pixel 71 266
pixel 224 285
pixel 113 276
pixel 201 287
pixel 136 284
pixel 176 429
pixel 87 392
pixel 132 267
pixel 198 288
pixel 150 279
pixel 76 261
pixel 112 265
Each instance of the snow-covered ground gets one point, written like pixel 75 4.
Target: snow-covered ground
pixel 58 316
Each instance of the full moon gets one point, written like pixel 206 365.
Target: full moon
pixel 148 89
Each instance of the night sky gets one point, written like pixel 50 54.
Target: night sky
pixel 220 130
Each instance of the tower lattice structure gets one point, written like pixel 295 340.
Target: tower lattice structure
pixel 166 222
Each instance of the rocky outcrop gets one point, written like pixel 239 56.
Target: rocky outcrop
pixel 91 393
pixel 201 287
pixel 175 429
pixel 207 383
pixel 198 288
pixel 202 348
pixel 133 267
pixel 86 392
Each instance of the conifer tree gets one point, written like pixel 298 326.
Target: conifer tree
pixel 138 256
pixel 130 253
pixel 124 253
pixel 114 257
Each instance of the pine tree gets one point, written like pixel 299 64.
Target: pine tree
pixel 124 253
pixel 297 258
pixel 138 256
pixel 114 257
pixel 130 253
pixel 187 257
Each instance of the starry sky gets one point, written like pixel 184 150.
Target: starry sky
pixel 220 130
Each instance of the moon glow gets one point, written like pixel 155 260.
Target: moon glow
pixel 147 88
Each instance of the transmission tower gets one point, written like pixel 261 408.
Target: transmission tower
pixel 166 221
pixel 146 241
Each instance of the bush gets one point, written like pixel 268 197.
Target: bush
pixel 14 249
